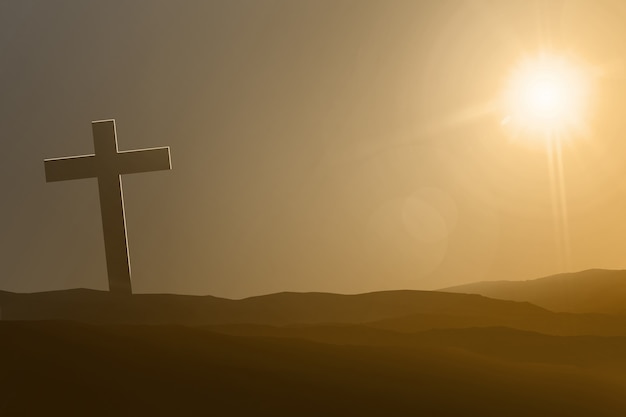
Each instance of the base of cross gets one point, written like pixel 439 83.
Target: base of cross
pixel 120 287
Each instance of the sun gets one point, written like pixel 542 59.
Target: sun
pixel 547 96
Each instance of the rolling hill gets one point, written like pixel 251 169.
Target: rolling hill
pixel 590 352
pixel 591 291
pixel 73 369
pixel 274 309
pixel 390 353
pixel 398 311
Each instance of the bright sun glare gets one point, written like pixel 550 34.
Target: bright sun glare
pixel 547 97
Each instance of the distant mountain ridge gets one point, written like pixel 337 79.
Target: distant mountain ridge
pixel 590 291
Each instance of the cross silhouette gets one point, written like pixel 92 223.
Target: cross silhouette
pixel 107 164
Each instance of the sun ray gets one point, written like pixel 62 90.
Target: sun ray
pixel 554 194
pixel 559 201
pixel 547 100
pixel 563 205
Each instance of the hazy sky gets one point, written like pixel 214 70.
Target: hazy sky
pixel 317 145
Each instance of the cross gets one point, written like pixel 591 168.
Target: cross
pixel 107 164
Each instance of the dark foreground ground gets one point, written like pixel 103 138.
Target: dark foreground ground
pixel 69 369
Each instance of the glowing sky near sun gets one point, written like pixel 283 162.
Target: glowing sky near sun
pixel 342 146
pixel 549 95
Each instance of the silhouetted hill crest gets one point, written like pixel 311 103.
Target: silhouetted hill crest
pixel 589 291
pixel 276 309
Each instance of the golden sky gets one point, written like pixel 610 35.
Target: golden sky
pixel 342 146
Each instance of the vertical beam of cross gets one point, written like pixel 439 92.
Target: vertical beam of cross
pixel 107 164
